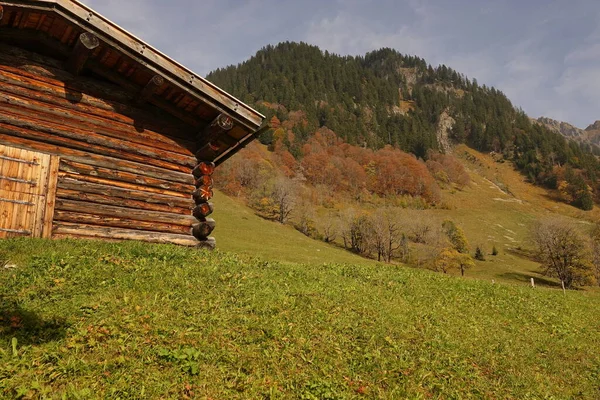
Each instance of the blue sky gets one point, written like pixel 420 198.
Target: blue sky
pixel 545 55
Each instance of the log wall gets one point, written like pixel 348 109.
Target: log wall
pixel 125 171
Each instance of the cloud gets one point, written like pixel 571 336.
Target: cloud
pixel 544 55
pixel 345 34
pixel 133 15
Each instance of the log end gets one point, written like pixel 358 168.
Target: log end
pixel 203 210
pixel 157 81
pixel 224 122
pixel 202 230
pixel 89 40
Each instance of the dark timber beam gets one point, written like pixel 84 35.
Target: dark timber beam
pixel 86 43
pixel 243 143
pixel 223 123
pixel 203 229
pixel 151 87
pixel 203 210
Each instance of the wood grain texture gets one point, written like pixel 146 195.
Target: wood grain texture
pixel 143 199
pixel 27 185
pixel 15 98
pixel 120 222
pixel 64 229
pixel 123 176
pixel 82 51
pixel 49 132
pixel 85 157
pixel 124 185
pixel 124 212
pixel 50 197
pixel 114 170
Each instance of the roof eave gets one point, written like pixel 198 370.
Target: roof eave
pixel 152 58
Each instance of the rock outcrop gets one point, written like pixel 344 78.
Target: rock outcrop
pixel 443 132
pixel 563 128
pixel 594 127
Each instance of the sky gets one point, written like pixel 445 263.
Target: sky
pixel 544 55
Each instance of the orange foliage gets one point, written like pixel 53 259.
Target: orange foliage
pixel 447 169
pixel 275 122
pixel 328 162
pixel 286 161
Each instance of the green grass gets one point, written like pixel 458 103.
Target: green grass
pixel 131 320
pixel 241 231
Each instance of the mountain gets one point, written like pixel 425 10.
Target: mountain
pixel 595 127
pixel 387 98
pixel 563 128
pixel 587 136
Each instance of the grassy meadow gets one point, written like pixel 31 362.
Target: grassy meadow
pixel 85 320
pixel 241 231
pixel 274 314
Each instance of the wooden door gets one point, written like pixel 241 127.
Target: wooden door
pixel 27 192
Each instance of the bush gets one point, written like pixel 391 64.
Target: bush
pixel 494 251
pixel 479 254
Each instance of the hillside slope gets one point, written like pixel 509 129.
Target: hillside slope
pixel 495 210
pixel 241 231
pixel 85 319
pixel 387 98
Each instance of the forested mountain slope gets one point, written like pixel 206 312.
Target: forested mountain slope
pixel 387 98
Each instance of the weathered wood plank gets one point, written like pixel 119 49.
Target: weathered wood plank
pixel 139 199
pixel 152 86
pixel 116 222
pixel 70 194
pixel 85 157
pixel 17 211
pixel 16 116
pixel 123 212
pixel 72 105
pixel 42 180
pixel 113 174
pixel 84 46
pixel 92 179
pixel 50 197
pixel 21 71
pixel 68 228
pixel 20 170
pixel 122 81
pixel 17 99
pixel 7 128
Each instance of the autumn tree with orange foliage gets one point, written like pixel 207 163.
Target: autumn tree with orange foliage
pixel 328 160
pixel 447 169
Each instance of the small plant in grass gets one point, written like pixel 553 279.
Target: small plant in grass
pixel 3 259
pixel 479 254
pixel 186 357
pixel 494 251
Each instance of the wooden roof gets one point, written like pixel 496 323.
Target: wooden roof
pixel 57 27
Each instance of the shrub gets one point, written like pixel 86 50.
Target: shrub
pixel 494 251
pixel 479 254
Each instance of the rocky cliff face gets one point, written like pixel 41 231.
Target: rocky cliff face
pixel 563 128
pixel 594 127
pixel 443 132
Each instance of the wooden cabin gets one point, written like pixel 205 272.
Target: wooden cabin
pixel 101 135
